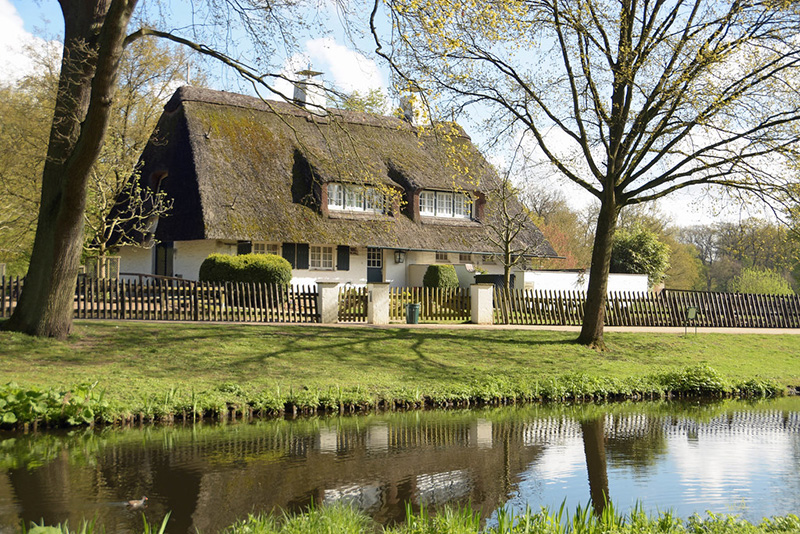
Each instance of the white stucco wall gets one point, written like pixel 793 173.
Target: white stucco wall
pixel 579 281
pixel 135 260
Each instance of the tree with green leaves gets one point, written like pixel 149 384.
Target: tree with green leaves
pixel 96 35
pixel 374 101
pixel 761 282
pixel 631 100
pixel 639 251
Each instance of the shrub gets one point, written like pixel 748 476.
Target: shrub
pixel 760 281
pixel 440 276
pixel 262 268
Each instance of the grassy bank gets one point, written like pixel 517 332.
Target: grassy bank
pixel 150 371
pixel 344 520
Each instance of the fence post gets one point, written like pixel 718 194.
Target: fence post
pixel 328 302
pixel 482 311
pixel 378 303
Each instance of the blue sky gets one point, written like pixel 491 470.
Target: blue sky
pixel 35 21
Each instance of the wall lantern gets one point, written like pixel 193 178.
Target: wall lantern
pixel 399 256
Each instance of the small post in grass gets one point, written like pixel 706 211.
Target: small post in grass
pixel 691 315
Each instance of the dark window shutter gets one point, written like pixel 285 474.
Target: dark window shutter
pixel 343 258
pixel 288 253
pixel 244 247
pixel 302 256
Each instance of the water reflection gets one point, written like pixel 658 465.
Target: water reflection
pixel 725 457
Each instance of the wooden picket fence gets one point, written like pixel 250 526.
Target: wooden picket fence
pixel 173 299
pixel 353 304
pixel 437 304
pixel 668 308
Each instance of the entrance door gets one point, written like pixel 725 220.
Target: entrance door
pixel 374 265
pixel 164 258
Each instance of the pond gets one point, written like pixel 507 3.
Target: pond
pixel 726 457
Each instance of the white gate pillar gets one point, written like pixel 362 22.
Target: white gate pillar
pixel 482 297
pixel 328 302
pixel 378 303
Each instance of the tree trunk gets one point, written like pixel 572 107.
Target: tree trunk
pixel 594 315
pixel 94 33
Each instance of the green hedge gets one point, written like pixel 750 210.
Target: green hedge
pixel 261 268
pixel 440 276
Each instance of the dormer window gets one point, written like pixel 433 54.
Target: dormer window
pixel 352 197
pixel 445 204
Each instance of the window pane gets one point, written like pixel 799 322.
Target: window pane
pixel 335 200
pixel 354 197
pixel 461 206
pixel 373 200
pixel 321 257
pixel 427 203
pixel 444 204
pixel 374 257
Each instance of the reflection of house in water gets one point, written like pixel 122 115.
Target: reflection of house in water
pixel 442 488
pixel 209 477
pixel 366 497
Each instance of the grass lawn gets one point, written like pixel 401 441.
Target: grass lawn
pixel 134 361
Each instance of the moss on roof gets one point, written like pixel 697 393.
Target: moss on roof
pixel 243 168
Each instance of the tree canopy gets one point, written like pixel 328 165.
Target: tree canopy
pixel 630 100
pixel 96 33
pixel 639 251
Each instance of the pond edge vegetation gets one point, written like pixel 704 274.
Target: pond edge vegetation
pixel 86 404
pixel 463 520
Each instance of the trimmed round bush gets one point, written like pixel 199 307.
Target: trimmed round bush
pixel 440 276
pixel 261 268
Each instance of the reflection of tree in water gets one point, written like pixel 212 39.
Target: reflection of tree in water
pixel 594 448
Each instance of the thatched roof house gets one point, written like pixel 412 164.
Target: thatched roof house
pixel 240 169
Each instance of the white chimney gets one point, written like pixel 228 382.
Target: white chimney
pixel 309 93
pixel 413 106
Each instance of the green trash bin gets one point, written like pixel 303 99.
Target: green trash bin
pixel 412 313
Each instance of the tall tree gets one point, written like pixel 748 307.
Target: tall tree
pixel 95 35
pixel 508 221
pixel 629 99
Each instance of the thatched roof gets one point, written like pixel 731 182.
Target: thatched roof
pixel 241 168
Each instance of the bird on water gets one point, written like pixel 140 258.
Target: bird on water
pixel 137 504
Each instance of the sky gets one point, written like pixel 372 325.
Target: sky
pixel 38 23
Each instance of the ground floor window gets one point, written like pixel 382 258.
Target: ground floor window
pixel 442 256
pixel 465 258
pixel 266 248
pixel 321 257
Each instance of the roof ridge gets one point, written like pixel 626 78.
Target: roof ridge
pixel 187 93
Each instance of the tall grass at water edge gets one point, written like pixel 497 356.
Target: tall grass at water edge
pixel 343 519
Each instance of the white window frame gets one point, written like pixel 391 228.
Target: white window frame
pixel 320 258
pixel 266 248
pixel 427 203
pixel 335 197
pixel 462 206
pixel 353 197
pixel 442 256
pixel 375 258
pixel 445 204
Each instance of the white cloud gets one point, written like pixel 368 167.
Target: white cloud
pixel 351 71
pixel 15 43
pixel 343 69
